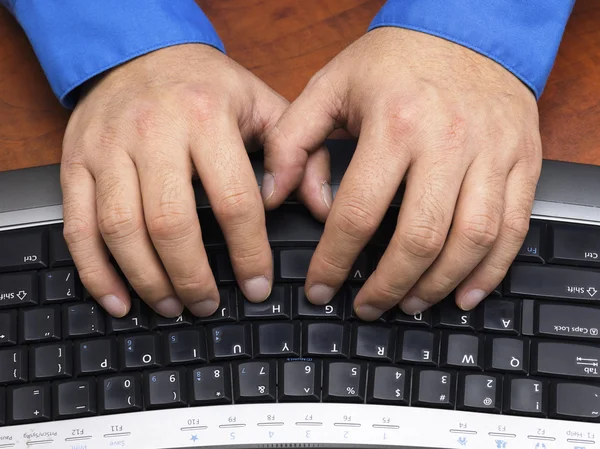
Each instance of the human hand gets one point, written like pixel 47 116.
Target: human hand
pixel 130 150
pixel 461 128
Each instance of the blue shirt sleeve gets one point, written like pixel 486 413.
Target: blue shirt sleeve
pixel 521 35
pixel 76 40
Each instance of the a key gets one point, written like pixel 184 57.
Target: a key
pixel 277 339
pixel 302 308
pixel 52 361
pixel 322 339
pixel 24 249
pixel 422 319
pixel 8 328
pixel 480 392
pixel 42 324
pixel 28 404
pixel 161 322
pixel 344 381
pixel 450 316
pixel 388 385
pixel 565 359
pixel 462 351
pixel 165 388
pixel 293 264
pixel 59 284
pixel 74 398
pixel 227 310
pixel 140 351
pixel 13 365
pixel 525 397
pixel 230 341
pixel 361 269
pixel 224 268
pixel 373 342
pixel 574 245
pixel 575 401
pixel 507 354
pixel 18 289
pixel 84 319
pixel 434 388
pixel 419 346
pixel 531 250
pixel 562 320
pixel 276 306
pixel 500 315
pixel 96 356
pixel 210 384
pixel 254 381
pixel 59 251
pixel 186 346
pixel 300 380
pixel 135 320
pixel 120 393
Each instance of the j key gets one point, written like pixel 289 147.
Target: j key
pixel 344 381
pixel 60 284
pixel 507 354
pixel 450 316
pixel 547 281
pixel 422 319
pixel 85 319
pixel 574 245
pixel 565 359
pixel 2 409
pixel 326 339
pixel 8 328
pixel 500 315
pixel 161 322
pixel 140 351
pixel 433 388
pixel 25 249
pixel 277 339
pixel 52 361
pixel 227 310
pixel 210 385
pixel 563 320
pixel 254 381
pixel 419 346
pixel 135 320
pixel 41 324
pixel 293 263
pixel 186 346
pixel 388 385
pixel 18 289
pixel 575 401
pixel 525 397
pixel 122 393
pixel 531 250
pixel 13 365
pixel 59 251
pixel 164 389
pixel 230 341
pixel 303 308
pixel 74 399
pixel 462 350
pixel 300 381
pixel 28 404
pixel 373 342
pixel 277 305
pixel 361 269
pixel 480 392
pixel 96 356
pixel 224 269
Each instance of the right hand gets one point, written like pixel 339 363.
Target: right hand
pixel 132 146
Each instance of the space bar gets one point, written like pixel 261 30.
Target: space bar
pixel 546 281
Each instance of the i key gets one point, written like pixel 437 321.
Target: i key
pixel 120 394
pixel 254 382
pixel 210 385
pixel 165 388
pixel 344 382
pixel 185 346
pixel 300 381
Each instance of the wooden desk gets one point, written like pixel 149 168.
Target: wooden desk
pixel 284 42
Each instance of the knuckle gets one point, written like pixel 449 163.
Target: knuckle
pixel 202 104
pixel 171 223
pixel 420 241
pixel 516 225
pixel 480 231
pixel 453 135
pixel 90 275
pixel 354 219
pixel 118 221
pixel 403 118
pixel 77 230
pixel 237 207
pixel 190 285
pixel 251 256
pixel 332 265
pixel 144 118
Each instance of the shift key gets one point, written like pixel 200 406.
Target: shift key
pixel 18 289
pixel 565 359
pixel 562 320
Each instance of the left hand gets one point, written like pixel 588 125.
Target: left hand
pixel 461 128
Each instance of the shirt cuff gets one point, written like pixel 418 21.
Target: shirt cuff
pixel 75 40
pixel 521 35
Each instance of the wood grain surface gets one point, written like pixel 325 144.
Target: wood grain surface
pixel 284 42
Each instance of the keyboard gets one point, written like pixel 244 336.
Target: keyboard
pixel 519 371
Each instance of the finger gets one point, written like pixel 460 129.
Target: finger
pixel 121 222
pixel 315 187
pixel 172 222
pixel 85 242
pixel 520 192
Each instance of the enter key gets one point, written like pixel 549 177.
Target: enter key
pixel 561 320
pixel 565 359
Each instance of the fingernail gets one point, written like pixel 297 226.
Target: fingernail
pixel 257 289
pixel 470 300
pixel 413 305
pixel 268 186
pixel 204 308
pixel 320 294
pixel 327 194
pixel 113 305
pixel 368 313
pixel 169 307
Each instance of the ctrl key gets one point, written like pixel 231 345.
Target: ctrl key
pixel 29 404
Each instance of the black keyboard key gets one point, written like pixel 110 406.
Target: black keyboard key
pixel 74 399
pixel 293 264
pixel 449 315
pixel 186 346
pixel 547 281
pixel 254 381
pixel 351 312
pixel 531 250
pixel 344 381
pixel 277 339
pixel 303 308
pixel 2 406
pixel 165 389
pixel 161 322
pixel 227 310
pixel 42 324
pixel 18 289
pixel 13 365
pixel 434 388
pixel 85 319
pixel 29 404
pixel 25 249
pixel 230 341
pixel 419 346
pixel 210 385
pixel 59 251
pixel 374 342
pixel 500 315
pixel 322 339
pixel 388 385
pixel 462 351
pixel 140 351
pixel 120 393
pixel 507 354
pixel 276 306
pixel 422 319
pixel 224 268
pixel 96 356
pixel 59 284
pixel 574 245
pixel 480 392
pixel 8 328
pixel 52 361
pixel 565 359
pixel 135 320
pixel 300 380
pixel 573 401
pixel 361 269
pixel 525 396
pixel 562 320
